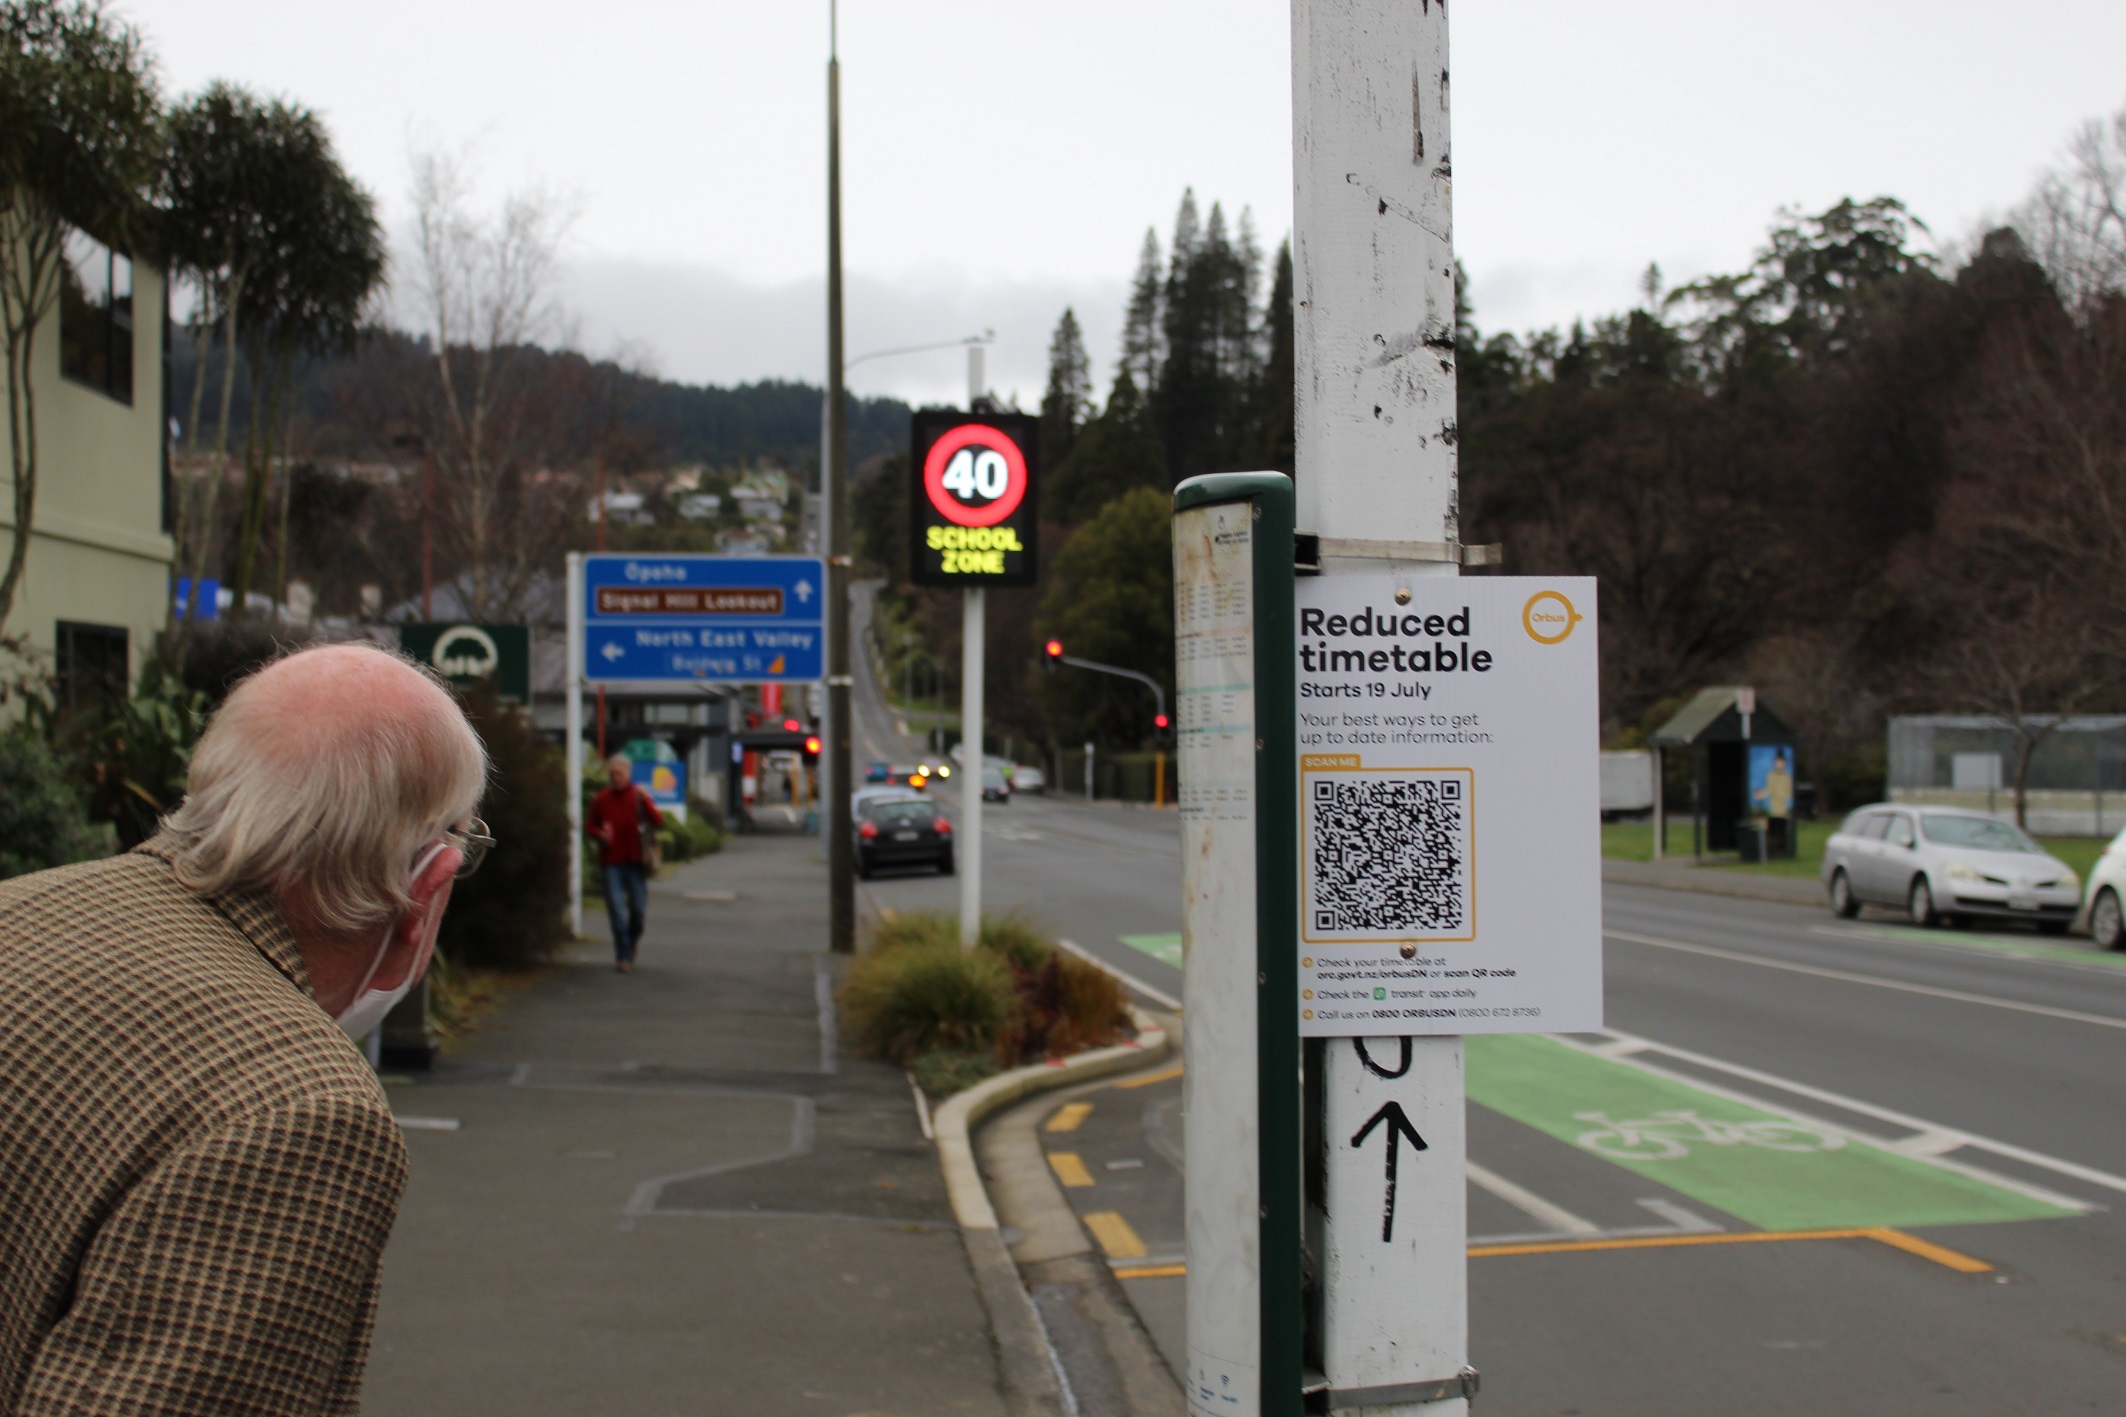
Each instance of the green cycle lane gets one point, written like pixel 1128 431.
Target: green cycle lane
pixel 1752 1163
pixel 1164 948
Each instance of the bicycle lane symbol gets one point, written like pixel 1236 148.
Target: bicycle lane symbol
pixel 1669 1136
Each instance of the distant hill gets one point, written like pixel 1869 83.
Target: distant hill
pixel 354 407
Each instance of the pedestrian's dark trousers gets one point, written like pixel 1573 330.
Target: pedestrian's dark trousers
pixel 627 903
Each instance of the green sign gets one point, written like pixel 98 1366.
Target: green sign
pixel 466 654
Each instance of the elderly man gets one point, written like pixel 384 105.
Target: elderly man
pixel 198 1170
pixel 624 821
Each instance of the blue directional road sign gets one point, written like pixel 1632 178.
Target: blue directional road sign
pixel 729 619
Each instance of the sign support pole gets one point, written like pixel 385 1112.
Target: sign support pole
pixel 575 741
pixel 973 667
pixel 1375 451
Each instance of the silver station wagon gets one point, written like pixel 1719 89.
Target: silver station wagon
pixel 1938 863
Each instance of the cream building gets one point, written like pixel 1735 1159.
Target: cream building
pixel 93 595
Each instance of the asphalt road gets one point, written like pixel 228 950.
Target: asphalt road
pixel 1952 1100
pixel 1990 1068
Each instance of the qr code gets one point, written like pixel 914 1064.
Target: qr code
pixel 1388 854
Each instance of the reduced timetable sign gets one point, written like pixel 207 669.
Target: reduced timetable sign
pixel 1450 805
pixel 973 498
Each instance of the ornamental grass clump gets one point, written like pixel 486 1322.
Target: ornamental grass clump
pixel 954 1016
pixel 922 996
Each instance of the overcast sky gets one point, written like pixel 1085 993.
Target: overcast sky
pixel 1002 158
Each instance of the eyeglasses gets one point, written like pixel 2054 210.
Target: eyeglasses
pixel 473 843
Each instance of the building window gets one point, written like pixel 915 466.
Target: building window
pixel 94 666
pixel 96 317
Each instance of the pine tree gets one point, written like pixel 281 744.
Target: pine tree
pixel 1141 341
pixel 1267 434
pixel 1195 398
pixel 1069 397
pixel 1115 452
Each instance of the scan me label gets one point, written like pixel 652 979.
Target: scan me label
pixel 1450 805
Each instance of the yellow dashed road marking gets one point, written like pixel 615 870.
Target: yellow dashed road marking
pixel 1163 1075
pixel 1115 1235
pixel 1068 1116
pixel 1070 1168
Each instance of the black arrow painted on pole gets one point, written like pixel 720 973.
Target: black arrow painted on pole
pixel 1398 1127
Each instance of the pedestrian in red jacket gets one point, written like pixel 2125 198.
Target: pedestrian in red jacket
pixel 618 818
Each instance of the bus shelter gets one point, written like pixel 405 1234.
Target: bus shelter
pixel 1742 775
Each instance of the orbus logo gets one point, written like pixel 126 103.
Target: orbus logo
pixel 1549 618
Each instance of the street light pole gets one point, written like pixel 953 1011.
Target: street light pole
pixel 833 477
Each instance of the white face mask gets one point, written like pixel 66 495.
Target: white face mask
pixel 362 1017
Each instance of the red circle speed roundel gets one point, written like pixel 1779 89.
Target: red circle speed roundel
pixel 974 438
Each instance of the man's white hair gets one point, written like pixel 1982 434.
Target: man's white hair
pixel 320 779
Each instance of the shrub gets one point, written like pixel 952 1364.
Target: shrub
pixel 42 823
pixel 683 841
pixel 132 755
pixel 915 927
pixel 944 1071
pixel 510 914
pixel 1047 1003
pixel 902 1003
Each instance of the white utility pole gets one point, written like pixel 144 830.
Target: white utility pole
pixel 1376 481
pixel 972 655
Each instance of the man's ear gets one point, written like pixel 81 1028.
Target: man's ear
pixel 433 879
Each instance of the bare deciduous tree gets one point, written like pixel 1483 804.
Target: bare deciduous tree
pixel 2075 222
pixel 483 289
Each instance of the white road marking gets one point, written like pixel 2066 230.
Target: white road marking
pixel 1846 976
pixel 1926 1131
pixel 428 1124
pixel 1157 996
pixel 1685 1220
pixel 1544 1212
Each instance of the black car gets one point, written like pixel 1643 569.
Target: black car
pixel 902 831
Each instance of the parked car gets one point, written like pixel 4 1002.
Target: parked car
pixel 2101 908
pixel 1940 863
pixel 1027 778
pixel 901 830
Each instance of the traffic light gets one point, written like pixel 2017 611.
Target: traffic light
pixel 1162 729
pixel 812 746
pixel 1052 655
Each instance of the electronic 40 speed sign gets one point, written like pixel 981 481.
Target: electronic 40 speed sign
pixel 973 498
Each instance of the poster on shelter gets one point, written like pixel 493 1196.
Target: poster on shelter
pixel 1771 780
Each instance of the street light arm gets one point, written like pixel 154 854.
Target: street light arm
pixel 1146 680
pixel 984 337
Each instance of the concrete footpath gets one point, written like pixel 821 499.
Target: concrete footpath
pixel 666 1193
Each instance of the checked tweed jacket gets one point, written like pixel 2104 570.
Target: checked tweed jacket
pixel 198 1171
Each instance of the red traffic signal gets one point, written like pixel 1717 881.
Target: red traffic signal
pixel 1160 723
pixel 791 725
pixel 1055 649
pixel 812 746
pixel 1052 655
